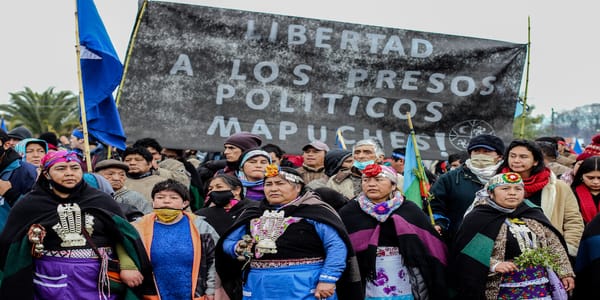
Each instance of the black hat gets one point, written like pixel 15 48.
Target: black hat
pixel 486 141
pixel 19 133
pixel 244 140
pixel 50 138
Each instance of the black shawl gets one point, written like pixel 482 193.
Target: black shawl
pixel 587 264
pixel 418 243
pixel 310 207
pixel 474 243
pixel 39 207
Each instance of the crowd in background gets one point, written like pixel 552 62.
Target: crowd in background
pixel 255 222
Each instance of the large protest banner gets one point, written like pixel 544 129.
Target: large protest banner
pixel 197 74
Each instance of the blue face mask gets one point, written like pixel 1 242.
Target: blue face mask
pixel 362 165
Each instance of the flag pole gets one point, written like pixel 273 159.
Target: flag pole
pixel 126 64
pixel 420 170
pixel 524 114
pixel 88 158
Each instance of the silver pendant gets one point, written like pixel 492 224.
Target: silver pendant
pixel 267 229
pixel 70 224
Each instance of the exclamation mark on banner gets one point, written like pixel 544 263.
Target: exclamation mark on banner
pixel 440 137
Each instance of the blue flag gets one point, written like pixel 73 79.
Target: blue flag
pixel 101 72
pixel 577 148
pixel 3 125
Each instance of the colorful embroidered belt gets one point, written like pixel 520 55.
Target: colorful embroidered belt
pixel 78 253
pixel 278 263
pixel 388 251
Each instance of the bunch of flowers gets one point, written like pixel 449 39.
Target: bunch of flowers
pixel 272 170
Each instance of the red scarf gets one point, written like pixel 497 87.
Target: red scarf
pixel 535 182
pixel 586 203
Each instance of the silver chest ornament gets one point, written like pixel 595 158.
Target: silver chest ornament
pixel 70 224
pixel 267 229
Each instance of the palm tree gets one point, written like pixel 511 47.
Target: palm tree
pixel 49 111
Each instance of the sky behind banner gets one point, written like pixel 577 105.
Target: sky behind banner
pixel 101 72
pixel 208 72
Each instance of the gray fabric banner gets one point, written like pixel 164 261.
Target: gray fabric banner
pixel 199 74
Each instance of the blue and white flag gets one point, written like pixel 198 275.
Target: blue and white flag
pixel 101 72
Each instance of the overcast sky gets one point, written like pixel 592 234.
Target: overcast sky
pixel 38 49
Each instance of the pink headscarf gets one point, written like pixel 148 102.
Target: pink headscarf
pixel 52 158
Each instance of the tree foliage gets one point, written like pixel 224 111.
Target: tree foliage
pixel 49 111
pixel 533 125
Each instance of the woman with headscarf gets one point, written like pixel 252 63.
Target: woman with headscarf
pixel 293 246
pixel 67 240
pixel 501 227
pixel 32 150
pixel 400 254
pixel 542 188
pixel 252 173
pixel 180 245
pixel 586 186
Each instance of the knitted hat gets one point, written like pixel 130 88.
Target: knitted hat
pixel 317 145
pixel 592 149
pixel 21 147
pixel 244 140
pixel 19 133
pixel 504 179
pixel 334 160
pixel 253 153
pixel 111 163
pixel 486 141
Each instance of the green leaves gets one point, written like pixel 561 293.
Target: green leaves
pixel 42 112
pixel 542 256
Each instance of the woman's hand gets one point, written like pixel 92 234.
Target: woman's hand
pixel 568 283
pixel 505 267
pixel 131 278
pixel 324 290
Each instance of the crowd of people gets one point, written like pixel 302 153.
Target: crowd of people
pixel 504 221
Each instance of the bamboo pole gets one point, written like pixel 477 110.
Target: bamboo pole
pixel 524 114
pixel 86 151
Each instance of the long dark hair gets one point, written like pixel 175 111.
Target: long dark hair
pixel 589 164
pixel 536 151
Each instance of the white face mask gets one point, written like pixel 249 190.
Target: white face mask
pixel 482 161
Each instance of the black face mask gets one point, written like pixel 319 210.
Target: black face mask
pixel 220 198
pixel 64 189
